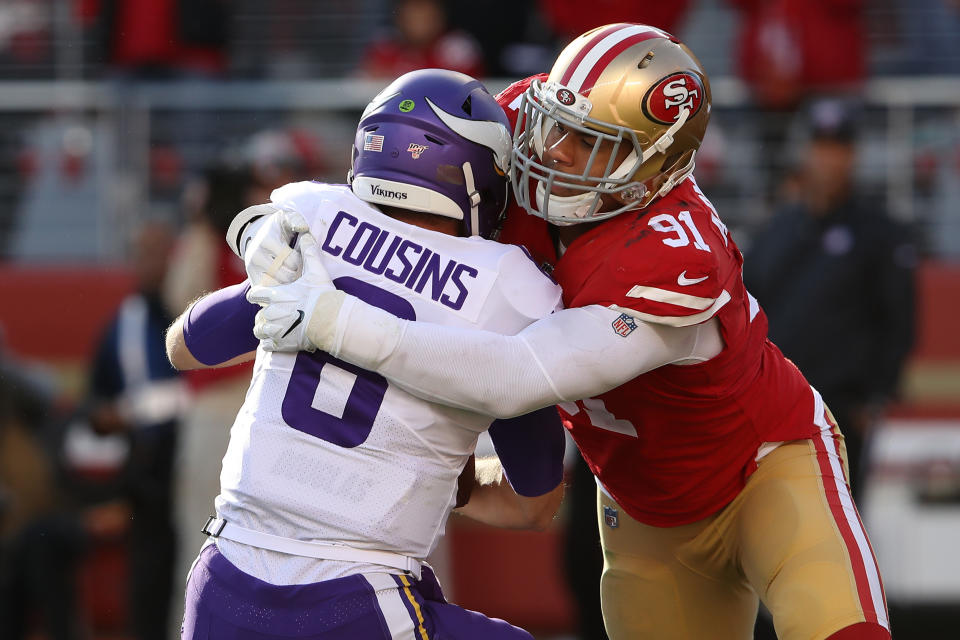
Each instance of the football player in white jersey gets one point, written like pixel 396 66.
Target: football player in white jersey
pixel 336 485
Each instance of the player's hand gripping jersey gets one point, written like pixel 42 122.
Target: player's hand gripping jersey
pixel 674 444
pixel 325 448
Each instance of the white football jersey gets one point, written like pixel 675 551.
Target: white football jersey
pixel 324 451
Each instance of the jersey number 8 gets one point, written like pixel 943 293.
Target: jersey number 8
pixel 352 427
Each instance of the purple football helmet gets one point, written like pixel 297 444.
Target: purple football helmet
pixel 435 141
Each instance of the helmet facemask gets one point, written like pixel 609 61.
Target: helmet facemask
pixel 628 184
pixel 627 91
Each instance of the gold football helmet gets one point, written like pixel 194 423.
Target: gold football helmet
pixel 637 95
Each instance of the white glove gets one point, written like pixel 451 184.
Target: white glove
pixel 266 241
pixel 300 315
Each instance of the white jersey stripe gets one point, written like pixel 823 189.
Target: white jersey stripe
pixel 754 306
pixel 394 612
pixel 850 512
pixel 670 297
pixel 586 64
pixel 677 321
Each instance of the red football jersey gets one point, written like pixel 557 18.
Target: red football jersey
pixel 676 444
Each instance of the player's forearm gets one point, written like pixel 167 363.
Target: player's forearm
pixel 214 331
pixel 494 502
pixel 569 355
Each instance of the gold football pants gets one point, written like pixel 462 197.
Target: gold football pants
pixel 791 538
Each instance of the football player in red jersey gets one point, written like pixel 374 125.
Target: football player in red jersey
pixel 721 473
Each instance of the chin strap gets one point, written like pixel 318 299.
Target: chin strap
pixel 662 144
pixel 677 177
pixel 474 196
pixel 579 206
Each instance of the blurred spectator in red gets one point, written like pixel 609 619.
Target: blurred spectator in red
pixel 421 39
pixel 570 18
pixel 789 51
pixel 177 41
pixel 161 39
pixel 791 48
pixel 26 39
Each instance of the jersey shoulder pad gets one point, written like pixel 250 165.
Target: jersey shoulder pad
pixel 665 276
pixel 529 290
pixel 305 189
pixel 311 199
pixel 509 98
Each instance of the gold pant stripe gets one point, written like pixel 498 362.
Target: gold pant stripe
pixel 416 607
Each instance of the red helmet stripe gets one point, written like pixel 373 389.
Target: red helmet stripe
pixel 597 37
pixel 608 57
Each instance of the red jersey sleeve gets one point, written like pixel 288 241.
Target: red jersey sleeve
pixel 509 98
pixel 676 286
pixel 670 264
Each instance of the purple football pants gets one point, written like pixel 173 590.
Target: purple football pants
pixel 224 603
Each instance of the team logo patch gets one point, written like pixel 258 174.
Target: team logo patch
pixel 566 97
pixel 610 517
pixel 665 99
pixel 372 142
pixel 416 149
pixel 624 325
pixel 407 105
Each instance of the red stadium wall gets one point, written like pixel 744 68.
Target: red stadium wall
pixel 57 313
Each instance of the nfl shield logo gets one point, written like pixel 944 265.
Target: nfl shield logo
pixel 416 149
pixel 624 325
pixel 610 517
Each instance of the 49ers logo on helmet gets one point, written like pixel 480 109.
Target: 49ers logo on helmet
pixel 566 97
pixel 677 91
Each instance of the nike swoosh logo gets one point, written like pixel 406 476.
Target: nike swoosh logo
pixel 295 324
pixel 684 281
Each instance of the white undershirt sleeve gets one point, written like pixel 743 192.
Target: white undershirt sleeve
pixel 569 355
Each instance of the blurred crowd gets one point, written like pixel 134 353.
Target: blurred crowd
pixel 101 495
pixel 131 463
